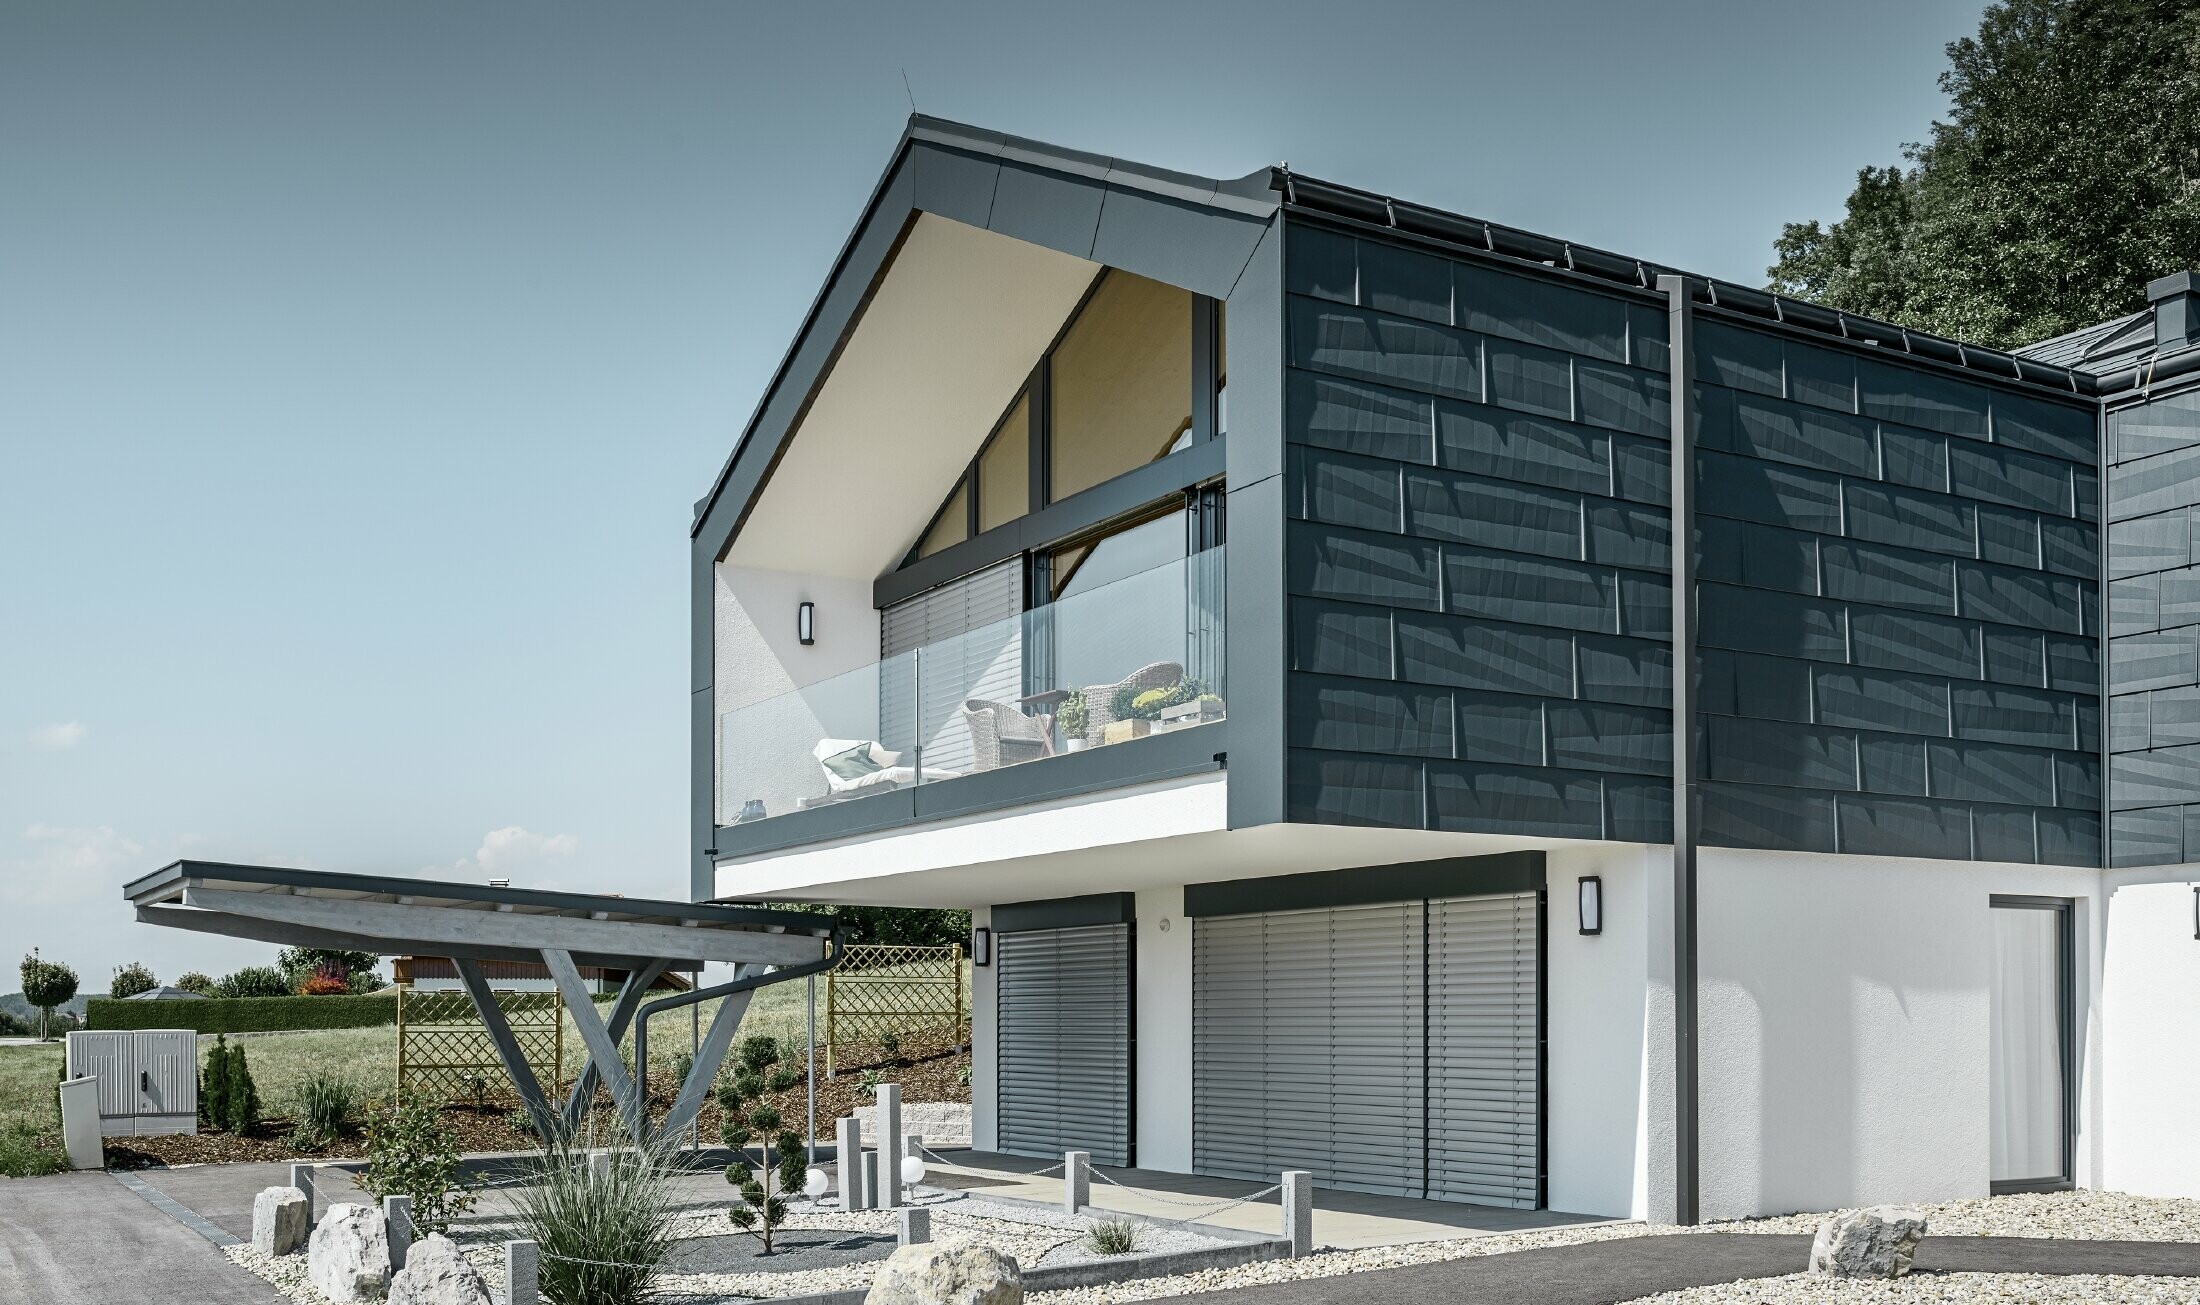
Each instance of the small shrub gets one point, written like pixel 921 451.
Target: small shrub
pixel 867 1085
pixel 194 981
pixel 477 1089
pixel 411 1152
pixel 214 1084
pixel 1112 1237
pixel 762 1207
pixel 253 981
pixel 23 1155
pixel 962 1074
pixel 326 1107
pixel 130 980
pixel 1073 715
pixel 601 1236
pixel 11 1027
pixel 783 1078
pixel 889 1047
pixel 330 980
pixel 521 1122
pixel 682 1064
pixel 241 1095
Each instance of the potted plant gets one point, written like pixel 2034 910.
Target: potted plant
pixel 1073 717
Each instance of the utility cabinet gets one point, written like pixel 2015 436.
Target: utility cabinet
pixel 148 1079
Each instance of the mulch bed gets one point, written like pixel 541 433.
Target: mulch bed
pixel 930 1069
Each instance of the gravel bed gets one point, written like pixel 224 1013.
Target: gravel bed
pixel 2103 1216
pixel 844 1247
pixel 1933 1288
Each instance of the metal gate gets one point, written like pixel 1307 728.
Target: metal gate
pixel 1063 1002
pixel 1390 1048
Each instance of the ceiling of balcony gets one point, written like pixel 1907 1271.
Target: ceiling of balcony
pixel 952 330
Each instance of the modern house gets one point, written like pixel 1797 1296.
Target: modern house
pixel 1254 600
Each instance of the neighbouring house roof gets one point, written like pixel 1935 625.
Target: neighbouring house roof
pixel 399 916
pixel 165 993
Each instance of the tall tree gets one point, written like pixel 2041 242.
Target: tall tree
pixel 2066 177
pixel 46 984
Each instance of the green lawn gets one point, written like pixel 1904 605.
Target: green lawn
pixel 282 1061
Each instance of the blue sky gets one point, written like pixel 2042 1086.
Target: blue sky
pixel 359 365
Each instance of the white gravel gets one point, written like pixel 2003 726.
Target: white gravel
pixel 2104 1216
pixel 1936 1288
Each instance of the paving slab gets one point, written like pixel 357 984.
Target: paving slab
pixel 85 1239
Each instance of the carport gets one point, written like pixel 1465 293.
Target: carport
pixel 470 923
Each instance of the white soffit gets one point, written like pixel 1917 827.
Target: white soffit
pixel 954 328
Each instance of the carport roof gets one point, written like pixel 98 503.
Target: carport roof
pixel 390 915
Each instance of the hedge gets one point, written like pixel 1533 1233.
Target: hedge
pixel 243 1014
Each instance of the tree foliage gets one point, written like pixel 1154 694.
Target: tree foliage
pixel 253 981
pixel 352 971
pixel 906 926
pixel 46 984
pixel 130 980
pixel 2066 177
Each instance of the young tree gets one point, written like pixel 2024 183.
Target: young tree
pixel 2062 182
pixel 195 981
pixel 46 984
pixel 763 1207
pixel 130 980
pixel 214 1084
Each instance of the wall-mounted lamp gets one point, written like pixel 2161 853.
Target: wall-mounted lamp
pixel 1589 901
pixel 805 623
pixel 2196 914
pixel 981 946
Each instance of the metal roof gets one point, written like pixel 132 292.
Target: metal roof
pixel 391 915
pixel 2101 347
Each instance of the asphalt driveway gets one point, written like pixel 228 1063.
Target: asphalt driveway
pixel 85 1239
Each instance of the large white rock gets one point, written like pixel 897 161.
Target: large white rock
pixel 349 1256
pixel 935 1274
pixel 1874 1243
pixel 436 1274
pixel 279 1220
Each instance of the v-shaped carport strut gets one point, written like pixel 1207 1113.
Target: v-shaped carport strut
pixel 631 993
pixel 603 1050
pixel 723 1026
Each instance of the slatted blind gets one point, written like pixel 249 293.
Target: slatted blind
pixel 1483 1078
pixel 1339 1041
pixel 1064 1035
pixel 1307 1046
pixel 970 633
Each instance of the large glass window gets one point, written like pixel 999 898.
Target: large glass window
pixel 953 526
pixel 1004 469
pixel 2030 1043
pixel 1122 382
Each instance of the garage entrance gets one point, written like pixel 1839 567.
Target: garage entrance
pixel 1391 1047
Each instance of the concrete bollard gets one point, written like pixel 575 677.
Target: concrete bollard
pixel 599 1165
pixel 522 1274
pixel 1298 1211
pixel 916 1226
pixel 1076 1181
pixel 848 1161
pixel 870 1180
pixel 889 1146
pixel 301 1177
pixel 397 1220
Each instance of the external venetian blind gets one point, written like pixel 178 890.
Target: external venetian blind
pixel 1064 1033
pixel 967 641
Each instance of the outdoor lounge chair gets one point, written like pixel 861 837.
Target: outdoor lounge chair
pixel 1000 735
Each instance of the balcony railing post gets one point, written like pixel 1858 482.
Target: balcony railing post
pixel 916 697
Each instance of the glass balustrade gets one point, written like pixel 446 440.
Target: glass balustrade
pixel 1124 661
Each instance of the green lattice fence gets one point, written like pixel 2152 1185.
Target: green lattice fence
pixel 878 989
pixel 445 1054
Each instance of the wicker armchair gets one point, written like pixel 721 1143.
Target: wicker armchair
pixel 1000 735
pixel 1100 698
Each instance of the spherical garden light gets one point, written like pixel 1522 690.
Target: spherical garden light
pixel 814 1183
pixel 912 1169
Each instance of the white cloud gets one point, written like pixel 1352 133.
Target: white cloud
pixel 60 735
pixel 515 853
pixel 68 864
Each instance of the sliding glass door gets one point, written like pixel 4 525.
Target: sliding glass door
pixel 2032 1046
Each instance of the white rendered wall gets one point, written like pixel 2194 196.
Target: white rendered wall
pixel 1597 990
pixel 2150 1001
pixel 985 1074
pixel 1164 1029
pixel 759 661
pixel 1845 1023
